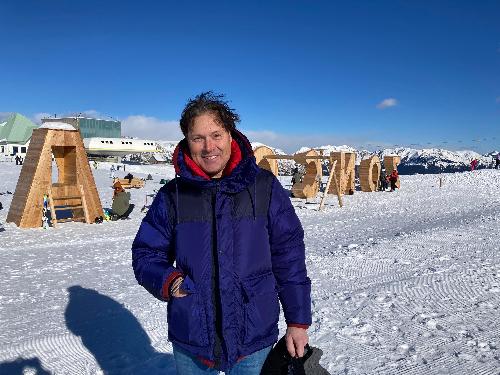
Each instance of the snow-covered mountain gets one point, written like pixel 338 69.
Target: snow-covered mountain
pixel 431 160
pixel 437 160
pixel 422 161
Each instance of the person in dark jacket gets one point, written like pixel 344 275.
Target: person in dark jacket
pixel 121 207
pixel 296 176
pixel 382 180
pixel 221 243
pixel 129 176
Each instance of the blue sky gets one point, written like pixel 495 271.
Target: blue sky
pixel 300 73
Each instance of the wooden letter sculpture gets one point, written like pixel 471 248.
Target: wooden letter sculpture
pixel 75 189
pixel 269 164
pixel 369 174
pixel 391 163
pixel 309 186
pixel 344 171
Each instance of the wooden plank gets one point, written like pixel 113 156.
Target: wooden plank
pixel 330 178
pixel 71 219
pixel 67 198
pixel 68 207
pixel 84 206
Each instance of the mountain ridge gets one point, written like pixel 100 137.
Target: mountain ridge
pixel 413 161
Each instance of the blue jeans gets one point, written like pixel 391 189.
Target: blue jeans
pixel 187 364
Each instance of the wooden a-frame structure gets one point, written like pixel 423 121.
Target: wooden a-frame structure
pixel 75 189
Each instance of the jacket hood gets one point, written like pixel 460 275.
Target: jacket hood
pixel 242 176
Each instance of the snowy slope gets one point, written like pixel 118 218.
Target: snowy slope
pixel 402 283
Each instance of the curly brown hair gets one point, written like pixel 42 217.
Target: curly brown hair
pixel 209 102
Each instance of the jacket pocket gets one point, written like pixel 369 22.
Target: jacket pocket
pixel 186 319
pixel 261 307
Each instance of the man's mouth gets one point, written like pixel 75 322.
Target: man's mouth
pixel 210 157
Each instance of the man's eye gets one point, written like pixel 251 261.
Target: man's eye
pixel 197 139
pixel 217 136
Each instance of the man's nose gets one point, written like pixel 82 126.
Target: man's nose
pixel 209 145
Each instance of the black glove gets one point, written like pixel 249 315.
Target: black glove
pixel 279 361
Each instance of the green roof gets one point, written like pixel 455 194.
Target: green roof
pixel 16 129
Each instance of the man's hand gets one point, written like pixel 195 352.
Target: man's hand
pixel 296 340
pixel 176 291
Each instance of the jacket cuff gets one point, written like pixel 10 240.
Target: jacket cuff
pixel 296 325
pixel 165 291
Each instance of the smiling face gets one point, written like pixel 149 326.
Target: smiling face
pixel 209 144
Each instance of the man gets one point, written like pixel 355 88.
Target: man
pixel 121 207
pixel 382 180
pixel 237 245
pixel 497 161
pixel 296 176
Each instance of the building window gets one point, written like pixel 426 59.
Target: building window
pixel 23 150
pixel 15 150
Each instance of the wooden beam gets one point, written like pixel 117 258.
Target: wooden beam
pixel 331 178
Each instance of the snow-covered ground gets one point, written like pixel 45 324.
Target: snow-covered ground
pixel 403 283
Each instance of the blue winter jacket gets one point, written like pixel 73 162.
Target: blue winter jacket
pixel 239 245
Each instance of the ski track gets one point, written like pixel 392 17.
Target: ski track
pixel 402 283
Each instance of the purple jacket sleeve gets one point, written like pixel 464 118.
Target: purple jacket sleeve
pixel 152 250
pixel 288 258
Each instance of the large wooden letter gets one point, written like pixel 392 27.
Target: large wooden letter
pixel 344 171
pixel 270 164
pixel 75 189
pixel 369 173
pixel 391 163
pixel 309 186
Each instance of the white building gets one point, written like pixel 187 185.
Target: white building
pixel 15 135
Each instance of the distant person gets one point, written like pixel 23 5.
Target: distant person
pixel 296 176
pixel 382 181
pixel 473 164
pixel 112 171
pixel 121 207
pixel 95 164
pixel 129 177
pixel 497 160
pixel 393 179
pixel 17 159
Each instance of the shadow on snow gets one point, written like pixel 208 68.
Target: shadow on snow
pixel 113 335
